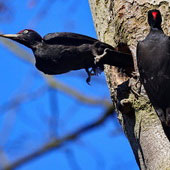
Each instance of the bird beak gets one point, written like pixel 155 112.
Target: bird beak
pixel 11 36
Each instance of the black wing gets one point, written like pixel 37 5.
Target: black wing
pixel 153 63
pixel 112 56
pixel 68 38
pixel 118 59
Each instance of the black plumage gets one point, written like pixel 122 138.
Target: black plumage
pixel 58 53
pixel 153 58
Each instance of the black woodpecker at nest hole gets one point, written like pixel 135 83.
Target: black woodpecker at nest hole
pixel 153 59
pixel 58 53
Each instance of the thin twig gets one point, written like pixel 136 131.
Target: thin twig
pixel 57 143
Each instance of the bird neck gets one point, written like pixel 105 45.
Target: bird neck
pixel 35 45
pixel 155 26
pixel 153 29
pixel 32 44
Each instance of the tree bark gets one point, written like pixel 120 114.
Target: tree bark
pixel 125 22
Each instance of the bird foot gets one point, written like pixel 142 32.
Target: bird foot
pixel 89 76
pixel 89 73
pixel 98 57
pixel 135 74
pixel 92 72
pixel 88 80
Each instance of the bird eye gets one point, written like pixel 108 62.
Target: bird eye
pixel 25 31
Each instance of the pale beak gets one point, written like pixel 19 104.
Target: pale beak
pixel 9 35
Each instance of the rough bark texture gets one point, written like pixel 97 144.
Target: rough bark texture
pixel 125 21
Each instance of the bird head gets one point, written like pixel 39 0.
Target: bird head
pixel 154 18
pixel 26 37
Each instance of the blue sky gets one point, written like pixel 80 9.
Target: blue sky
pixel 25 128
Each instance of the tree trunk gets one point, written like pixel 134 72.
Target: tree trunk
pixel 124 22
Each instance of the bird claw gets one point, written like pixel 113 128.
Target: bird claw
pixel 135 75
pixel 92 72
pixel 88 80
pixel 89 73
pixel 98 57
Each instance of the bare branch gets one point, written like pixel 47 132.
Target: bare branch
pixel 21 98
pixel 77 95
pixel 72 159
pixel 57 143
pixel 54 117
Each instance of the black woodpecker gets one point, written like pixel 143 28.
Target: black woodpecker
pixel 58 53
pixel 153 59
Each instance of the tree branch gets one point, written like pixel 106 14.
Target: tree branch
pixel 57 143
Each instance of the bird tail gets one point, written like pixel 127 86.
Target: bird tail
pixel 164 115
pixel 167 116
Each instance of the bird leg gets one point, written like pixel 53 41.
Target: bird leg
pixel 92 72
pixel 89 73
pixel 98 57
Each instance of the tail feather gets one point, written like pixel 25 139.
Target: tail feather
pixel 167 116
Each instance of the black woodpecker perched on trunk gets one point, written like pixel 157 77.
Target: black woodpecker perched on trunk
pixel 58 53
pixel 153 58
